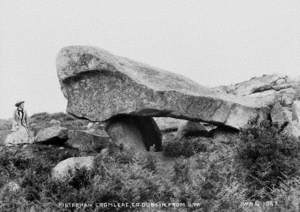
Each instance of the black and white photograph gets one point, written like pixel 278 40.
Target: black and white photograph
pixel 149 106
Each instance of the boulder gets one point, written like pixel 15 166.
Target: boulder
pixel 278 115
pixel 55 122
pixel 134 132
pixel 54 134
pixel 99 85
pixel 296 111
pixel 11 186
pixel 293 128
pixel 20 135
pixel 86 141
pixel 68 166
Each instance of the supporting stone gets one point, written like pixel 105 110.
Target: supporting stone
pixel 134 132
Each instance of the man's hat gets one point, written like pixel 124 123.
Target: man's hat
pixel 19 103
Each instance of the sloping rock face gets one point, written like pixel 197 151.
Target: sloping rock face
pixel 99 85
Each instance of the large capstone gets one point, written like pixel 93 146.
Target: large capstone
pixel 99 85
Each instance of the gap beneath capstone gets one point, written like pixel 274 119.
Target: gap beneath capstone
pixel 134 132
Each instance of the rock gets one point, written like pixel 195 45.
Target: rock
pixel 265 90
pixel 55 122
pixel 89 126
pixel 296 111
pixel 68 166
pixel 278 115
pixel 99 85
pixel 265 83
pixel 85 141
pixel 41 121
pixel 11 186
pixel 21 135
pixel 190 128
pixel 279 92
pixel 54 134
pixel 135 132
pixel 96 128
pixel 167 124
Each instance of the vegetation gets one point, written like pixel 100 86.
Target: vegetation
pixel 186 146
pixel 266 158
pixel 262 165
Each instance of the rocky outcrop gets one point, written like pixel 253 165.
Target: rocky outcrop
pixel 68 166
pixel 278 92
pixel 264 85
pixel 99 85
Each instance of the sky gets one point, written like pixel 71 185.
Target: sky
pixel 213 42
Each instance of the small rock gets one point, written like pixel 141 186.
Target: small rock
pixel 66 167
pixel 55 122
pixel 52 134
pixel 12 186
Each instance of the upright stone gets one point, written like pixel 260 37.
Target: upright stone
pixel 134 132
